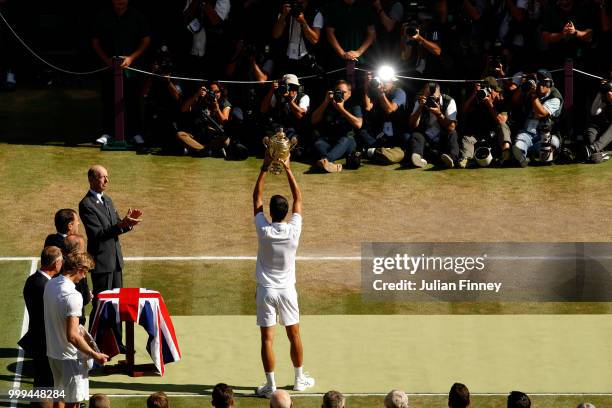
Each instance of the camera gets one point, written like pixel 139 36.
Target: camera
pixel 209 97
pixel 338 95
pixel 412 29
pixel 431 102
pixel 605 87
pixel 529 83
pixel 483 92
pixel 163 61
pixel 296 9
pixel 310 62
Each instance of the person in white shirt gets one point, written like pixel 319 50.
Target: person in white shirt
pixel 275 274
pixel 62 305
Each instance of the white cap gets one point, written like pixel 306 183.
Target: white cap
pixel 291 79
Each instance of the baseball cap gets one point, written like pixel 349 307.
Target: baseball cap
pixel 291 79
pixel 492 83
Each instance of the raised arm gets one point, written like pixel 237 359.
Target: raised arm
pixel 295 189
pixel 259 186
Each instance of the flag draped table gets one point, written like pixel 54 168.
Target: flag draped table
pixel 142 306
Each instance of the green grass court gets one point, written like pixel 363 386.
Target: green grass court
pixel 196 207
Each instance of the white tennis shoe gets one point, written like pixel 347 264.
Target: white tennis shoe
pixel 303 382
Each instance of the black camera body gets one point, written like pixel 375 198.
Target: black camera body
pixel 483 92
pixel 431 102
pixel 530 81
pixel 412 29
pixel 209 98
pixel 338 95
pixel 605 87
pixel 296 9
pixel 163 61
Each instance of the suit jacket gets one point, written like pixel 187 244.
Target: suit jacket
pixel 100 223
pixel 34 341
pixel 56 240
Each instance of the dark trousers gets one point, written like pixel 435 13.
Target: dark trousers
pixel 448 144
pixel 43 377
pixel 598 136
pixel 368 139
pixel 102 281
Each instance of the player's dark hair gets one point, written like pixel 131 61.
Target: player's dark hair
pixel 279 206
pixel 222 396
pixel 157 400
pixel 458 396
pixel 64 217
pixel 518 399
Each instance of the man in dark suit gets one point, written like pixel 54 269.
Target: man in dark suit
pixel 67 224
pixel 103 227
pixel 34 341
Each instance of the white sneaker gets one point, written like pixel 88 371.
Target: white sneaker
pixel 303 382
pixel 138 139
pixel 265 391
pixel 103 139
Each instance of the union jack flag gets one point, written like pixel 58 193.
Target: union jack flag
pixel 142 306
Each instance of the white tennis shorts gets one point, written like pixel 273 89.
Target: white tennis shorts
pixel 71 377
pixel 277 302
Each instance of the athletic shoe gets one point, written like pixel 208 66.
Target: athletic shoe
pixel 448 161
pixel 265 391
pixel 331 167
pixel 417 160
pixel 520 156
pixel 103 139
pixel 303 382
pixel 138 139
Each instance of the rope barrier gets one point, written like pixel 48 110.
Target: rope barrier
pixel 55 67
pixel 587 74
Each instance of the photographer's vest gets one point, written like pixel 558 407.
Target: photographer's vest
pixel 424 121
pixel 281 113
pixel 283 42
pixel 554 93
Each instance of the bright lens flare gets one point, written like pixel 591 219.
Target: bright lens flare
pixel 386 73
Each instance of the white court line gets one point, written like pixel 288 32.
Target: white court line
pixel 365 394
pixel 24 329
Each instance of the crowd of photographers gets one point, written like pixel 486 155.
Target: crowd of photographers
pixel 279 54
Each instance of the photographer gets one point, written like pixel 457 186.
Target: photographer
pixel 383 103
pixel 486 114
pixel 420 47
pixel 598 134
pixel 298 28
pixel 336 122
pixel 207 111
pixel 544 103
pixel 285 105
pixel 434 120
pixel 162 104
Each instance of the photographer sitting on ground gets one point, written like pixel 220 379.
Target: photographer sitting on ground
pixel 298 27
pixel 285 106
pixel 598 134
pixel 486 130
pixel 336 122
pixel 544 103
pixel 383 103
pixel 434 120
pixel 207 112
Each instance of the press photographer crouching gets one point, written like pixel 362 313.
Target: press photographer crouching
pixel 598 134
pixel 285 106
pixel 207 111
pixel 486 135
pixel 434 122
pixel 162 97
pixel 383 104
pixel 336 120
pixel 544 103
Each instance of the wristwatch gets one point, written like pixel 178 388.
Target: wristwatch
pixel 264 167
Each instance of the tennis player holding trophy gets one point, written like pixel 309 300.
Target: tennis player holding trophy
pixel 275 269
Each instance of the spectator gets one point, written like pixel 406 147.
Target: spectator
pixel 598 134
pixel 158 400
pixel 66 224
pixel 286 105
pixel 63 305
pixel 333 399
pixel 280 399
pixel 34 342
pixel 336 121
pixel 350 30
pixel 120 32
pixel 517 399
pixel 298 29
pixel 389 14
pixel 458 396
pixel 586 405
pixel 99 401
pixel 222 396
pixel 421 47
pixel 383 103
pixel 544 103
pixel 434 122
pixel 486 114
pixel 205 20
pixel 208 111
pixel 396 399
pixel 74 243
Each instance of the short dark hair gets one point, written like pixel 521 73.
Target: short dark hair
pixel 222 396
pixel 458 396
pixel 157 400
pixel 62 218
pixel 279 206
pixel 333 399
pixel 49 255
pixel 99 401
pixel 342 82
pixel 518 399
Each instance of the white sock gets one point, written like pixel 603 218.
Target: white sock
pixel 270 379
pixel 299 371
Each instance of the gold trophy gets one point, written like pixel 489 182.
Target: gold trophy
pixel 278 149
